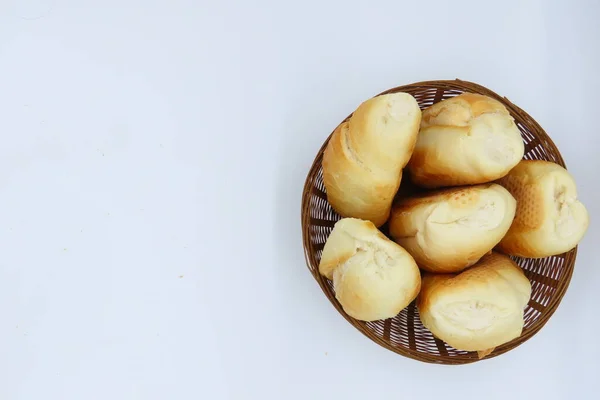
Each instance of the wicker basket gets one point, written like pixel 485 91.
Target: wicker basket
pixel 405 334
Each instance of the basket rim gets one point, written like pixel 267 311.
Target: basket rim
pixel 569 257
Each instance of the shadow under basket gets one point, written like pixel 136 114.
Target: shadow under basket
pixel 405 334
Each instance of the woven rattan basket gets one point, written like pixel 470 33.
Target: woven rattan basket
pixel 405 334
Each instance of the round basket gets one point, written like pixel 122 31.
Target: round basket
pixel 405 334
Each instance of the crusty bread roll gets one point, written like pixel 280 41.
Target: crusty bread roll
pixel 373 277
pixel 465 140
pixel 549 218
pixel 479 308
pixel 449 230
pixel 363 161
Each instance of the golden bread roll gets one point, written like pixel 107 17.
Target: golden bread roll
pixel 363 161
pixel 549 218
pixel 373 277
pixel 449 230
pixel 479 308
pixel 465 140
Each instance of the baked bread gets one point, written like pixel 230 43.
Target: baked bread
pixel 451 229
pixel 549 218
pixel 373 277
pixel 477 309
pixel 363 161
pixel 465 140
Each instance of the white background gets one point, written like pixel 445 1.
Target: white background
pixel 152 159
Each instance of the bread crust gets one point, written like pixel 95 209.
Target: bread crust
pixel 479 308
pixel 373 277
pixel 465 140
pixel 550 219
pixel 451 229
pixel 363 161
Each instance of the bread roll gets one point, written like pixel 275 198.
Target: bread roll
pixel 477 309
pixel 373 277
pixel 363 161
pixel 449 230
pixel 465 140
pixel 549 218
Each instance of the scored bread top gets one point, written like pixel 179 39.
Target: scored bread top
pixel 373 277
pixel 355 188
pixel 465 140
pixel 550 219
pixel 449 230
pixel 383 130
pixel 363 161
pixel 461 110
pixel 479 308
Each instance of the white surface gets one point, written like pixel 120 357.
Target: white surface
pixel 134 266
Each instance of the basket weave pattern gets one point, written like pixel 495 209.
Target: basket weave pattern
pixel 405 334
